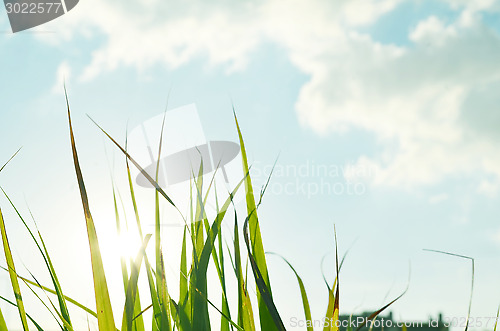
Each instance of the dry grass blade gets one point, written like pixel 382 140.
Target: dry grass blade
pixel 103 303
pixel 472 280
pixel 375 314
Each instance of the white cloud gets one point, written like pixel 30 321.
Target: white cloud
pixel 413 97
pixel 139 37
pixel 475 5
pixel 424 99
pixel 361 12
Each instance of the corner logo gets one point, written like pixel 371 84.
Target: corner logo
pixel 184 150
pixel 26 14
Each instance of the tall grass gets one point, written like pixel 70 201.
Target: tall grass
pixel 204 237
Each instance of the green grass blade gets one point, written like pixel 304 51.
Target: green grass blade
pixel 161 283
pixel 29 317
pixel 68 299
pixel 200 212
pixel 183 320
pixel 123 262
pixel 200 308
pixel 331 305
pixel 200 316
pixel 303 293
pixel 129 312
pixel 3 325
pixel 143 172
pixel 221 272
pixel 245 312
pixel 13 274
pixel 336 308
pixel 156 322
pixel 103 303
pixel 67 326
pixel 58 289
pixel 332 311
pixel 496 320
pixel 5 164
pixel 46 257
pixel 265 292
pixel 154 297
pixel 257 249
pixel 134 202
pixel 138 324
pixel 184 308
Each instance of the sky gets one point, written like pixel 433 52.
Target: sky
pixel 382 115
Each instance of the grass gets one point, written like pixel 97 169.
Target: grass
pixel 191 311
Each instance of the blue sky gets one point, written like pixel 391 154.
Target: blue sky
pixel 403 90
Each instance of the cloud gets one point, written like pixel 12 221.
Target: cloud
pixel 136 36
pixel 223 32
pixel 432 105
pixel 418 98
pixel 476 5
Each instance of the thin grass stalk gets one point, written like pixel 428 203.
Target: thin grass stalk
pixel 245 312
pixel 303 293
pixel 10 159
pixel 129 313
pixel 13 274
pixel 27 315
pixel 66 298
pixel 103 303
pixel 156 321
pixel 257 248
pixel 48 263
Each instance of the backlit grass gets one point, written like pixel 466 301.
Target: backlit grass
pixel 202 237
